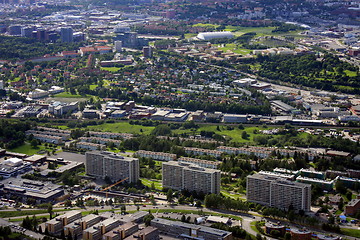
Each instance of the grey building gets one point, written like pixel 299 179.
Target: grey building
pixel 116 167
pixel 66 34
pixel 180 175
pixel 278 192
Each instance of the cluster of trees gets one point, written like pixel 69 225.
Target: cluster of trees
pixel 13 48
pixel 328 73
pixel 220 202
pixel 30 223
pixel 237 231
pixel 12 133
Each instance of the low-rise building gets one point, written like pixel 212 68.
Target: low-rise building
pixel 352 207
pixel 90 146
pixel 14 166
pixel 189 231
pixel 201 151
pixel 200 162
pixel 156 155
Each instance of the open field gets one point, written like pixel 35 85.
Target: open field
pixel 122 127
pixel 29 150
pixel 148 182
pixel 110 69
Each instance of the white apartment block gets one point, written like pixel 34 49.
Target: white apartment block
pixel 156 155
pixel 200 162
pixel 111 135
pixel 48 138
pixel 201 151
pixel 99 140
pixel 107 164
pixel 179 176
pixel 278 192
pixel 90 146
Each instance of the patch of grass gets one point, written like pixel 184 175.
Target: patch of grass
pixel 206 25
pixel 232 195
pixel 351 232
pixel 9 214
pixel 29 150
pixel 67 95
pixel 148 182
pixel 93 86
pixel 110 69
pixel 123 127
pixel 189 35
pixel 350 73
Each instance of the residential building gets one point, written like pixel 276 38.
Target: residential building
pixel 189 231
pixel 55 225
pixel 200 151
pixel 90 146
pixel 323 184
pixel 200 162
pixel 352 207
pixel 278 192
pixel 107 164
pixel 179 176
pixel 156 155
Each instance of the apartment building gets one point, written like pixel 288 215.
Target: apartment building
pixel 278 192
pixel 99 140
pixel 55 225
pixel 48 138
pixel 95 232
pixel 107 164
pixel 75 228
pixel 111 135
pixel 179 176
pixel 200 151
pixel 90 146
pixel 200 162
pixel 323 184
pixel 161 156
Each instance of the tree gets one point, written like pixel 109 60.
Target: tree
pixel 50 210
pixel 147 219
pixel 169 195
pixel 244 135
pixel 287 236
pixel 34 143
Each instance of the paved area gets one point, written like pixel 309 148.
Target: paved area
pixel 70 156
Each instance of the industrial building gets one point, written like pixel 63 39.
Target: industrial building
pixel 179 176
pixel 107 164
pixel 278 192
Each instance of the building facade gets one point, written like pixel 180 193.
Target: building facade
pixel 278 192
pixel 116 167
pixel 179 176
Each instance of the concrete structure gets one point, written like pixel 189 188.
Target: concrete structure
pixel 214 35
pixel 189 231
pixel 118 46
pixel 323 184
pixel 147 52
pixel 156 155
pixel 179 176
pixel 278 192
pixel 107 164
pixel 75 228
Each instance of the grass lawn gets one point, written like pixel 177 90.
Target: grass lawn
pixel 67 95
pixel 148 182
pixel 93 86
pixel 110 69
pixel 29 150
pixel 190 35
pixel 350 73
pixel 27 212
pixel 351 232
pixel 122 127
pixel 232 195
pixel 232 47
pixel 207 25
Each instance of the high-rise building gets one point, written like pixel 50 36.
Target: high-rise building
pixel 147 52
pixel 180 176
pixel 66 34
pixel 116 167
pixel 278 192
pixel 27 31
pixel 118 46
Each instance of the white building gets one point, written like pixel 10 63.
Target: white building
pixel 213 35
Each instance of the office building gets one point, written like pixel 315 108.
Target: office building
pixel 278 192
pixel 179 176
pixel 66 34
pixel 14 166
pixel 116 167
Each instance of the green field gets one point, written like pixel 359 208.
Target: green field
pixel 67 95
pixel 29 150
pixel 232 195
pixel 148 182
pixel 351 232
pixel 206 25
pixel 110 69
pixel 234 48
pixel 122 127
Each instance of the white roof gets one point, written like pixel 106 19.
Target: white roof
pixel 212 35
